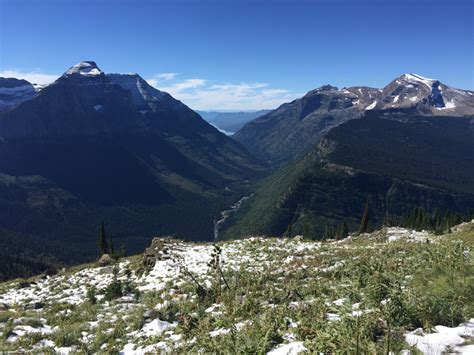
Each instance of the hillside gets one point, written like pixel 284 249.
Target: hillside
pixel 394 159
pixel 392 290
pixel 294 128
pixel 94 146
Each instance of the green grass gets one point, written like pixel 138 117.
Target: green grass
pixel 399 287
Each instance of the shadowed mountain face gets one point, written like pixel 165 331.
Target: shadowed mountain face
pixel 294 128
pixel 123 151
pixel 395 159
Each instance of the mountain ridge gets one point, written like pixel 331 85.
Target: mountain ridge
pixel 293 128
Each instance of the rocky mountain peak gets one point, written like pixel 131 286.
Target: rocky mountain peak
pixel 85 68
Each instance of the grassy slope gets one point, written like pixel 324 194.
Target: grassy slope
pixel 282 290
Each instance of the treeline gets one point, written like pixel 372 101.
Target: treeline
pixel 437 222
pixel 23 255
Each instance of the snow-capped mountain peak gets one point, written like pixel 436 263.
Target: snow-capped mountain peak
pixel 415 78
pixel 85 68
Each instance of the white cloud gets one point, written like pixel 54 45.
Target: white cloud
pixel 199 94
pixel 157 79
pixel 32 77
pixel 180 87
pixel 166 76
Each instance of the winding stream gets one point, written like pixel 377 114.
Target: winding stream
pixel 226 214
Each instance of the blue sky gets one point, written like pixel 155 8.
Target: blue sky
pixel 242 54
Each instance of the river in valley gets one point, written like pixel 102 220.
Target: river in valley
pixel 226 214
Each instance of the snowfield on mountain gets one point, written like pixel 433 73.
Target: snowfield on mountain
pixel 393 290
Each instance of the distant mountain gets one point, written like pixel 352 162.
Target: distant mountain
pixel 395 159
pixel 294 128
pixel 230 122
pixel 15 91
pixel 94 146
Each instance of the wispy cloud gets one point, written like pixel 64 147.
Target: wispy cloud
pixel 180 88
pixel 32 76
pixel 160 78
pixel 166 76
pixel 197 93
pixel 200 94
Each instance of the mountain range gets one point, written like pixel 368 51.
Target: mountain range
pixel 292 129
pixel 93 146
pixel 409 145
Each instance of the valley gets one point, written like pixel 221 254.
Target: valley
pixel 281 177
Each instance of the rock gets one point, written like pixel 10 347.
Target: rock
pixel 50 272
pixel 105 260
pixel 36 305
pixel 150 314
pixel 24 284
pixel 4 307
pixel 158 250
pixel 298 238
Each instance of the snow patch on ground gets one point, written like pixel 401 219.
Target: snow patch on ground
pixel 293 348
pixel 443 339
pixel 397 233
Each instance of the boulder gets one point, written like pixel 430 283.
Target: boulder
pixel 158 250
pixel 4 307
pixel 105 260
pixel 298 238
pixel 150 314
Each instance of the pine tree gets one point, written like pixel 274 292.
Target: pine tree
pixel 306 232
pixel 122 251
pixel 103 247
pixel 364 223
pixel 343 231
pixel 328 233
pixel 111 247
pixel 288 232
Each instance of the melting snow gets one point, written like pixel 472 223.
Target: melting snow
pixel 397 233
pixel 419 79
pixel 371 106
pixel 447 105
pixel 443 339
pixel 288 349
pixel 85 69
pixel 156 327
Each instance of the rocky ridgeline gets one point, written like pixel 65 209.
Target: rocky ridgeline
pixel 157 306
